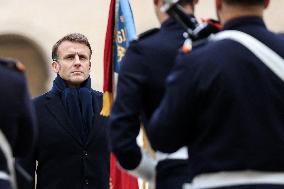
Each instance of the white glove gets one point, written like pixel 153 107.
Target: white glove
pixel 146 168
pixel 179 154
pixel 187 186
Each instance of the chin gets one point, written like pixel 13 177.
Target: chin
pixel 77 81
pixel 78 78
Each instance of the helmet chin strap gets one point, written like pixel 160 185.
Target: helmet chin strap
pixel 177 12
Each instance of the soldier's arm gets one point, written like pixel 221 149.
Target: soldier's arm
pixel 27 130
pixel 124 119
pixel 25 163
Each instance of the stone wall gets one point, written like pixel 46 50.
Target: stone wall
pixel 43 22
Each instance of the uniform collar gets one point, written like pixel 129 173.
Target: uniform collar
pixel 170 22
pixel 243 21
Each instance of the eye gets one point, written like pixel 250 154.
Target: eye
pixel 70 57
pixel 83 57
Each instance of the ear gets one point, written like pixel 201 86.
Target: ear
pixel 266 3
pixel 155 2
pixel 55 66
pixel 158 2
pixel 218 4
pixel 195 2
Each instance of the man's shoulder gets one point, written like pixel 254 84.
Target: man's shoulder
pixel 205 51
pixel 144 38
pixel 211 45
pixel 139 48
pixel 12 65
pixel 12 81
pixel 41 98
pixel 97 100
pixel 197 47
pixel 97 94
pixel 148 33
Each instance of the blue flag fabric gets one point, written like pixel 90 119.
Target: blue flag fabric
pixel 124 32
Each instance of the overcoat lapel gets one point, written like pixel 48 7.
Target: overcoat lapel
pixel 56 108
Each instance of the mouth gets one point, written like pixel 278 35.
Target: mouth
pixel 77 72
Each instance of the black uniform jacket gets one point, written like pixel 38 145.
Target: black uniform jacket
pixel 141 85
pixel 17 117
pixel 225 105
pixel 64 162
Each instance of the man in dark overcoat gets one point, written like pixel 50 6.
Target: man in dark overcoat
pixel 73 149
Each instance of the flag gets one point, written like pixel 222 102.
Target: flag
pixel 120 179
pixel 120 31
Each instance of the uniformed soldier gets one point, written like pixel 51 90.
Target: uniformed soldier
pixel 224 101
pixel 140 87
pixel 17 120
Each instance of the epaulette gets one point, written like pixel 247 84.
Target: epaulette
pixel 12 64
pixel 148 33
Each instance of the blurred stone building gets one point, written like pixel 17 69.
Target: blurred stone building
pixel 29 28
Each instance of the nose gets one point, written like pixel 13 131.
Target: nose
pixel 77 61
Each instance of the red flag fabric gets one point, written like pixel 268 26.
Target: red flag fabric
pixel 108 57
pixel 108 60
pixel 119 179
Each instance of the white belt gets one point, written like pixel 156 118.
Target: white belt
pixel 180 154
pixel 233 178
pixel 4 176
pixel 7 151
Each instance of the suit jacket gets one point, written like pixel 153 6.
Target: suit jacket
pixel 225 105
pixel 17 118
pixel 64 162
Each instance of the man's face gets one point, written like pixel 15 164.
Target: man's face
pixel 73 63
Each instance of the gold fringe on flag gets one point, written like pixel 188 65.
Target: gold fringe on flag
pixel 146 144
pixel 107 103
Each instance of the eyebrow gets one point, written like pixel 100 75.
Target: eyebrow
pixel 74 54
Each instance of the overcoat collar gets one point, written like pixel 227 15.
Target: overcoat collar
pixel 56 109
